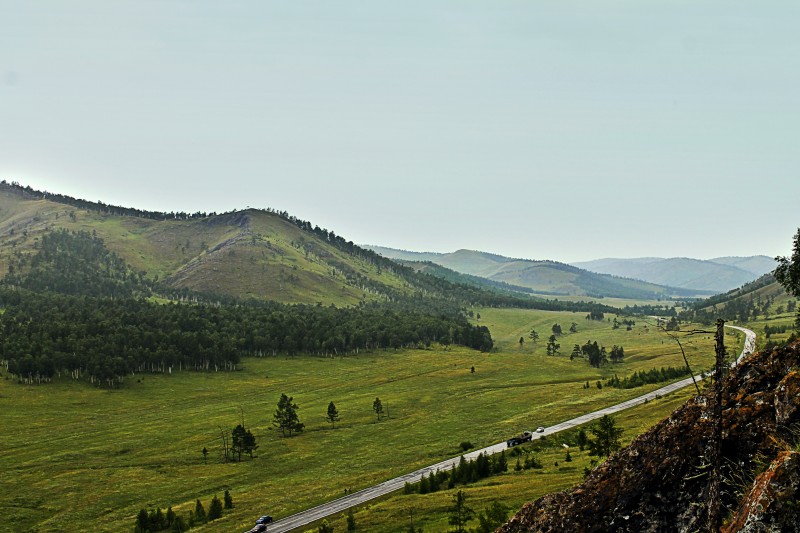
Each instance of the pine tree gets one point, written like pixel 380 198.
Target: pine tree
pixel 377 406
pixel 492 518
pixel 199 512
pixel 460 513
pixel 788 272
pixel 214 509
pixel 249 445
pixel 351 520
pixel 142 522
pixel 606 439
pixel 228 500
pixel 333 414
pixel 285 417
pixel 170 516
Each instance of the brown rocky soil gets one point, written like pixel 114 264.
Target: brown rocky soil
pixel 659 482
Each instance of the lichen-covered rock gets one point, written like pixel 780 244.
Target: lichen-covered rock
pixel 772 504
pixel 787 399
pixel 658 483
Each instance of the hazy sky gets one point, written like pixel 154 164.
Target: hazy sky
pixel 540 129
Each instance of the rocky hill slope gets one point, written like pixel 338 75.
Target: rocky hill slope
pixel 660 482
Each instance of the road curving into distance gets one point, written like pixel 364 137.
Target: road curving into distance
pixel 319 512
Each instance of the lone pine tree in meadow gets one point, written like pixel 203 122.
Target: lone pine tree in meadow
pixel 333 414
pixel 377 406
pixel 286 418
pixel 552 346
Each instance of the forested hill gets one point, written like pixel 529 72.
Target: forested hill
pixel 763 297
pixel 81 281
pixel 76 264
pixel 72 308
pixel 247 255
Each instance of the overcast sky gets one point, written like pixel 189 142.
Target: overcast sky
pixel 539 129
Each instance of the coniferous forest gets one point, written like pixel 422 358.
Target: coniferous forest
pixel 75 308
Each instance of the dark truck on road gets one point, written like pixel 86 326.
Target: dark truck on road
pixel 526 436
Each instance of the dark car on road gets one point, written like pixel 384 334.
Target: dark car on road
pixel 266 519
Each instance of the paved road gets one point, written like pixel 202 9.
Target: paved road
pixel 308 516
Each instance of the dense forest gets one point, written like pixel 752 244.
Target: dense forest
pixel 104 339
pixel 75 308
pixel 76 264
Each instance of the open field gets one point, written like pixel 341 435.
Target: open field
pixel 78 458
pixel 512 489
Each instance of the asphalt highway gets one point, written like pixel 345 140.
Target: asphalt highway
pixel 309 516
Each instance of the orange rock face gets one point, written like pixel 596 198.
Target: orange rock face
pixel 771 504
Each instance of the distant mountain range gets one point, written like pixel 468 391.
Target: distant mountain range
pixel 542 277
pixel 660 275
pixel 716 275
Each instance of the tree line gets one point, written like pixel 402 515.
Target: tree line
pixel 103 340
pixel 156 520
pixel 654 375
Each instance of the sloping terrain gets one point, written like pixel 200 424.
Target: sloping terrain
pixel 245 254
pixel 755 264
pixel 542 277
pixel 661 481
pixel 716 275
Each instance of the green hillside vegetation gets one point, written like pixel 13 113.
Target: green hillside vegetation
pixel 763 305
pixel 126 300
pixel 90 458
pixel 248 254
pixel 768 305
pixel 546 278
pixel 511 490
pixel 253 254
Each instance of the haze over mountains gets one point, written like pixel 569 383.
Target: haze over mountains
pixel 718 275
pixel 551 277
pixel 542 277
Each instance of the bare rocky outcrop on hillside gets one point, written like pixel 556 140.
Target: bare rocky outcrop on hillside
pixel 659 482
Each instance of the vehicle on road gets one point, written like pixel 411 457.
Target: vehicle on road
pixel 258 528
pixel 540 429
pixel 525 436
pixel 266 519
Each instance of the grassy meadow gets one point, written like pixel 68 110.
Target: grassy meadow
pixel 512 489
pixel 77 458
